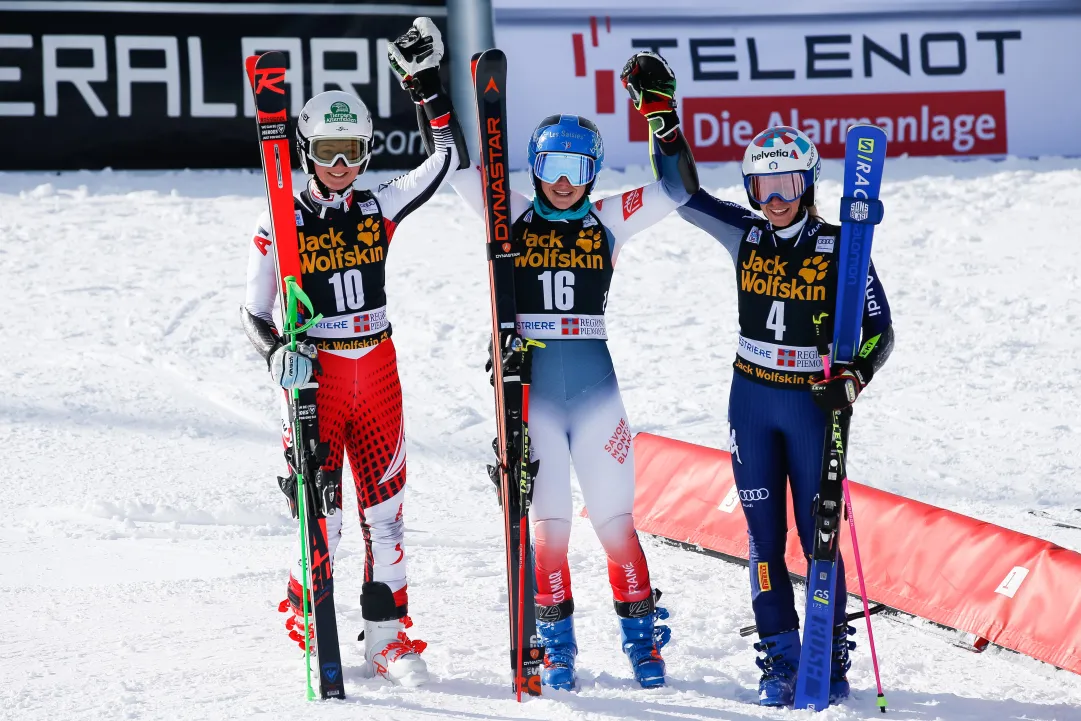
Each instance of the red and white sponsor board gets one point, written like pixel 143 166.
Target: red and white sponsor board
pixel 1016 591
pixel 984 82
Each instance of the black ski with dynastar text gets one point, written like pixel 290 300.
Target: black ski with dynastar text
pixel 514 472
pixel 311 492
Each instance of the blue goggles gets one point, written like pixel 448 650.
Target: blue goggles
pixel 578 169
pixel 786 186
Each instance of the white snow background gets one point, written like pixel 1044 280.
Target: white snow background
pixel 145 542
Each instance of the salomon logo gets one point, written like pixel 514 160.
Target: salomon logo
pixel 756 494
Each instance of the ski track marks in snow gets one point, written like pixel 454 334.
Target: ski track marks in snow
pixel 147 542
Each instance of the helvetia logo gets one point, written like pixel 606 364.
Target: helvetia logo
pixel 781 153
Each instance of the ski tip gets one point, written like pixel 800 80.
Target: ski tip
pixel 249 68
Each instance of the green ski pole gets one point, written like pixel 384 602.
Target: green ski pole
pixel 295 295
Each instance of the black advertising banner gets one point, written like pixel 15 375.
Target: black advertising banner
pixel 155 85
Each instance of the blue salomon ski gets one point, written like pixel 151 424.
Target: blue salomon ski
pixel 861 211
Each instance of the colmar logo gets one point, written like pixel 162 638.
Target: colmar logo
pixel 632 201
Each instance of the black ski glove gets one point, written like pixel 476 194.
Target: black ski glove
pixel 652 86
pixel 841 389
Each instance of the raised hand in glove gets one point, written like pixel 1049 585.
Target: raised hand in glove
pixel 415 58
pixel 293 369
pixel 652 86
pixel 840 390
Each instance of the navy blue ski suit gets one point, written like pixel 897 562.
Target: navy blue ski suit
pixel 777 431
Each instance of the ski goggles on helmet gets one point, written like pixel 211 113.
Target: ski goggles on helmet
pixel 577 169
pixel 786 186
pixel 328 151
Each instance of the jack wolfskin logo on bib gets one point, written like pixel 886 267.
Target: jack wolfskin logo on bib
pixel 547 251
pixel 328 251
pixel 339 113
pixel 769 276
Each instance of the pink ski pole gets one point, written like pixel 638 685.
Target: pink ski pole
pixel 859 568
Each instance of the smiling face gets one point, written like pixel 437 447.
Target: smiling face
pixel 337 178
pixel 561 194
pixel 780 213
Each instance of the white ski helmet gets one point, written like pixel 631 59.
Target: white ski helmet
pixel 327 123
pixel 780 162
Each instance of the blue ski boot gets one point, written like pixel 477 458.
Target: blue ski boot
pixel 642 639
pixel 779 665
pixel 840 663
pixel 560 647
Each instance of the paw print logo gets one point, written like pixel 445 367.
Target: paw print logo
pixel 368 232
pixel 589 239
pixel 813 269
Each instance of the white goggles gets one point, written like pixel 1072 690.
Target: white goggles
pixel 328 151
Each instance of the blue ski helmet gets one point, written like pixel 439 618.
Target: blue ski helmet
pixel 565 136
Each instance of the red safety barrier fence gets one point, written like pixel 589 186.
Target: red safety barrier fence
pixel 1016 591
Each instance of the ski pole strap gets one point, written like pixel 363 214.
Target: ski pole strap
pixel 295 297
pixel 865 211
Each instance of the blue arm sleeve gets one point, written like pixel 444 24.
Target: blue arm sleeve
pixel 726 222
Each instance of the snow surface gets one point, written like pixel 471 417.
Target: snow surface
pixel 146 543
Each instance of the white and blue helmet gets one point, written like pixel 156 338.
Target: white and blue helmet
pixel 781 162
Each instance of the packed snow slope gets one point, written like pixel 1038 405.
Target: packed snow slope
pixel 146 543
